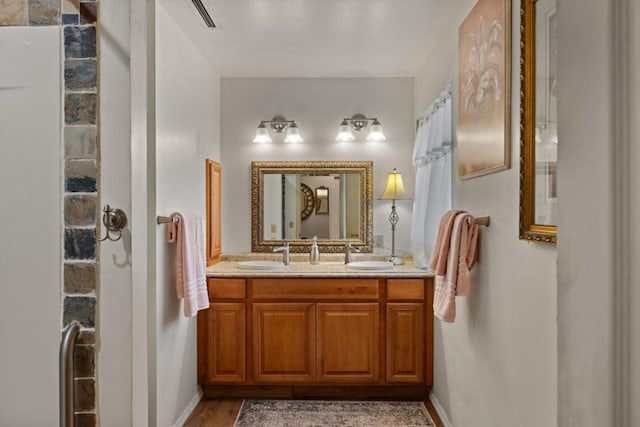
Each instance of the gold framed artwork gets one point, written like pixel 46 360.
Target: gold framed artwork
pixel 307 201
pixel 484 89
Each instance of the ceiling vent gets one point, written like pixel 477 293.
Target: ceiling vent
pixel 206 17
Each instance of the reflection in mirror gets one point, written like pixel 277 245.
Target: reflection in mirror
pixel 284 206
pixel 322 197
pixel 539 136
pixel 290 211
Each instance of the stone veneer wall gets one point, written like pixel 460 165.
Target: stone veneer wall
pixel 81 171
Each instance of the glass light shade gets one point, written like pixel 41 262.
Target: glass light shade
pixel 262 135
pixel 553 138
pixel 344 132
pixel 395 188
pixel 293 135
pixel 375 133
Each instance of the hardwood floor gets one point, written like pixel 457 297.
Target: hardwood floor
pixel 223 413
pixel 214 413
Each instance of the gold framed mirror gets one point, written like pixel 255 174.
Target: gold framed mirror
pixel 538 121
pixel 341 213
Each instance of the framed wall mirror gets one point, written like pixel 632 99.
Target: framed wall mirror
pixel 538 121
pixel 337 211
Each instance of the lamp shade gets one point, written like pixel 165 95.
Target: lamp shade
pixel 375 133
pixel 293 134
pixel 262 135
pixel 395 188
pixel 344 132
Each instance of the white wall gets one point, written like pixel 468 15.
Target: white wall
pixel 317 106
pixel 586 214
pixel 115 329
pixel 187 132
pixel 30 251
pixel 497 364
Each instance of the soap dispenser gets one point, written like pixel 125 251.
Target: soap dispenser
pixel 314 255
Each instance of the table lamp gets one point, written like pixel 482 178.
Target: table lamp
pixel 394 191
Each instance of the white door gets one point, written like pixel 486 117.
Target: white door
pixel 114 350
pixel 30 223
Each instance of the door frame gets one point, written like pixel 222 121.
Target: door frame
pixel 143 128
pixel 626 107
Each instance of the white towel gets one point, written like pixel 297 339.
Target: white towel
pixel 191 281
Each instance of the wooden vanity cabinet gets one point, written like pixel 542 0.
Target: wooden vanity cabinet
pixel 267 332
pixel 222 333
pixel 405 328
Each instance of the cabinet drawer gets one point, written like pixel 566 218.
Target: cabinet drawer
pixel 402 289
pixel 317 289
pixel 226 288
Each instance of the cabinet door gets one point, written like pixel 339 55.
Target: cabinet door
pixel 284 342
pixel 348 342
pixel 405 342
pixel 226 342
pixel 214 228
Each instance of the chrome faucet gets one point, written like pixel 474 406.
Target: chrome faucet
pixel 347 252
pixel 285 252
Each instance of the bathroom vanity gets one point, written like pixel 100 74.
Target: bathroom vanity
pixel 317 331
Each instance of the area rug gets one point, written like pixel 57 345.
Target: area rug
pixel 322 413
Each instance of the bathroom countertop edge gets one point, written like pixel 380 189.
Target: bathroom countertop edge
pixel 302 269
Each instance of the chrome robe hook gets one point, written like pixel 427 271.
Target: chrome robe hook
pixel 114 221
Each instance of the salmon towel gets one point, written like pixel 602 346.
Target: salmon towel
pixel 191 282
pixel 458 243
pixel 441 250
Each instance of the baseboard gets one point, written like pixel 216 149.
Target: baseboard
pixel 440 410
pixel 318 391
pixel 189 409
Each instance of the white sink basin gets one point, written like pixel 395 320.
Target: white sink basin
pixel 260 265
pixel 370 265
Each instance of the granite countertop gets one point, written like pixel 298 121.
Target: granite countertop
pixel 331 265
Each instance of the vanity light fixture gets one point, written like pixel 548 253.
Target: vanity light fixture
pixel 278 124
pixel 358 122
pixel 546 133
pixel 394 191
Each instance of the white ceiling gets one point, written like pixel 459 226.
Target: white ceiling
pixel 316 38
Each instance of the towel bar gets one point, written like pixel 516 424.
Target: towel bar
pixel 481 220
pixel 167 219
